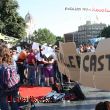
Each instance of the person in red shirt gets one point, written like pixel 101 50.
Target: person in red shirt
pixel 31 61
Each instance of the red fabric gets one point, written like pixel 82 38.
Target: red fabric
pixel 31 57
pixel 34 91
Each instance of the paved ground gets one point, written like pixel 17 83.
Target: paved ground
pixel 93 97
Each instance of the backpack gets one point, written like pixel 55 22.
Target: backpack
pixel 78 92
pixel 8 77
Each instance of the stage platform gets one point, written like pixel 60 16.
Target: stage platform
pixel 93 97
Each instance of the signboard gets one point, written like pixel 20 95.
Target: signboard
pixel 86 71
pixel 69 61
pixel 60 59
pixel 102 72
pixel 94 69
pixel 35 46
pixel 18 49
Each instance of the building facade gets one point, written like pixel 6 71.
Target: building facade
pixel 68 37
pixel 85 32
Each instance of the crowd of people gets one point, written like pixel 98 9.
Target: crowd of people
pixel 33 67
pixel 85 48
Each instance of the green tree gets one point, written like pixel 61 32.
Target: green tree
pixel 13 23
pixel 1 26
pixel 44 36
pixel 106 32
pixel 59 39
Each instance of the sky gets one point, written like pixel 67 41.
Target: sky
pixel 56 15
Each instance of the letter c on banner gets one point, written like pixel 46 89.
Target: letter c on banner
pixel 84 62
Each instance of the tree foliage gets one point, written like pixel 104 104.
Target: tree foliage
pixel 44 36
pixel 106 32
pixel 59 39
pixel 11 23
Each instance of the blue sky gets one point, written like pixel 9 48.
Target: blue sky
pixel 51 14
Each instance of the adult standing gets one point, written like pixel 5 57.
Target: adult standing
pixel 20 65
pixel 6 62
pixel 31 61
